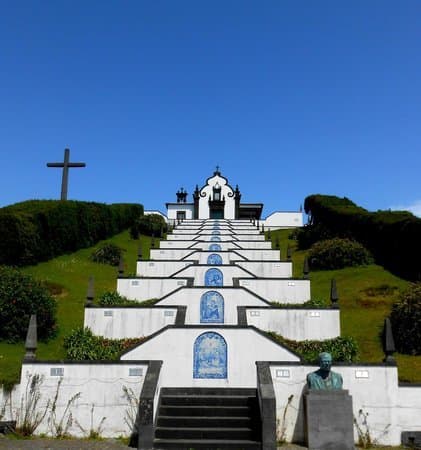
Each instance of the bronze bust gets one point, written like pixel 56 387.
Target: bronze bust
pixel 324 378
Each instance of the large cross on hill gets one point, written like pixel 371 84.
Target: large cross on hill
pixel 65 177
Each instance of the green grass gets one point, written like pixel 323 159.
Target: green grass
pixel 71 272
pixel 366 295
pixel 363 309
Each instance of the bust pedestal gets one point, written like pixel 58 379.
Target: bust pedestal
pixel 329 420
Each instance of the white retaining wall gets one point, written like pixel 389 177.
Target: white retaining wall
pixel 374 390
pixel 160 268
pixel 260 255
pixel 297 324
pixel 100 387
pixel 279 290
pixel 119 323
pixel 268 269
pixel 170 253
pixel 175 347
pixel 147 288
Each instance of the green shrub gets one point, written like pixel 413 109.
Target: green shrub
pixel 337 253
pixel 342 349
pixel 81 345
pixel 151 224
pixel 113 298
pixel 406 321
pixel 107 254
pixel 21 296
pixel 313 303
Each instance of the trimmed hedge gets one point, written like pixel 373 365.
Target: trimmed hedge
pixel 149 225
pixel 406 321
pixel 342 349
pixel 81 345
pixel 38 230
pixel 21 296
pixel 338 253
pixel 392 237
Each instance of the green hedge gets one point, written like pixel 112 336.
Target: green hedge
pixel 38 230
pixel 393 237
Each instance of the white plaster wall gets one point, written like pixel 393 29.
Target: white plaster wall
pixel 376 395
pixel 260 255
pixel 279 290
pixel 297 324
pixel 224 245
pixel 234 295
pixel 268 269
pixel 147 288
pixel 100 386
pixel 229 211
pixel 280 219
pixel 175 347
pixel 172 210
pixel 175 244
pixel 232 299
pixel 249 237
pixel 170 253
pixel 160 268
pixel 159 213
pixel 203 257
pixel 9 403
pixel 408 408
pixel 259 245
pixel 128 322
pixel 198 272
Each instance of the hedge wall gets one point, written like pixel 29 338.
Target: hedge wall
pixel 38 230
pixel 393 237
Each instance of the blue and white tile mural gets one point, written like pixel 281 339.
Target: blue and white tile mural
pixel 216 233
pixel 210 356
pixel 215 239
pixel 212 307
pixel 214 277
pixel 214 259
pixel 215 248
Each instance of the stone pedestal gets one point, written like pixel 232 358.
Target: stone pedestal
pixel 329 420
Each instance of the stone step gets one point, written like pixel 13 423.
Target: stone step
pixel 206 444
pixel 204 421
pixel 204 433
pixel 209 391
pixel 227 400
pixel 203 410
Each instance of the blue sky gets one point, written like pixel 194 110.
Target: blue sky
pixel 290 98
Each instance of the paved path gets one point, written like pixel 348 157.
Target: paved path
pixel 79 444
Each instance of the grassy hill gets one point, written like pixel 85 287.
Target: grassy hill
pixel 366 295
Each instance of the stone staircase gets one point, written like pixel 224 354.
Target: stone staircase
pixel 208 418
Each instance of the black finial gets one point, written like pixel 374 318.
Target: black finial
pixel 334 294
pixel 257 224
pixel 388 342
pixel 139 252
pixel 31 339
pixel 277 246
pixel 289 252
pixel 153 240
pixel 121 266
pixel 90 293
pixel 269 235
pixel 306 269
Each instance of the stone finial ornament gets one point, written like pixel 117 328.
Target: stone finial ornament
pixel 306 269
pixel 289 252
pixel 324 378
pixel 388 342
pixel 90 293
pixel 121 266
pixel 139 252
pixel 334 294
pixel 31 341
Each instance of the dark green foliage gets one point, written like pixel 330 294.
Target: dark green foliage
pixel 107 254
pixel 338 253
pixel 313 303
pixel 82 345
pixel 406 321
pixel 342 349
pixel 151 224
pixel 392 237
pixel 21 296
pixel 38 230
pixel 113 298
